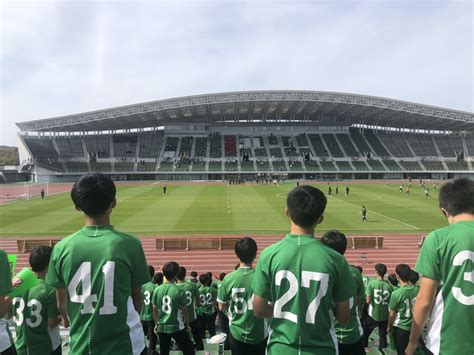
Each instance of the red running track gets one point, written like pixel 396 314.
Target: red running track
pixel 397 249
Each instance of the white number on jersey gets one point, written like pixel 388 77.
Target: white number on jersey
pixel 240 304
pixel 35 312
pixel 409 307
pixel 381 297
pixel 189 298
pixel 83 276
pixel 166 306
pixel 458 260
pixel 147 297
pixel 206 299
pixel 306 278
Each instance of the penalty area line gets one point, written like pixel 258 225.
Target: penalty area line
pixel 379 214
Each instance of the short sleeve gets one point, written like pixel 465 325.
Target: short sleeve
pixel 222 296
pixel 154 298
pixel 5 274
pixel 393 304
pixel 54 277
pixel 195 291
pixel 343 288
pixel 52 307
pixel 359 287
pixel 261 282
pixel 369 289
pixel 183 301
pixel 214 293
pixel 428 262
pixel 140 274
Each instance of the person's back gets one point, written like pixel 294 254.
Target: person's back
pixel 35 312
pixel 446 263
pixel 169 300
pixel 305 280
pixel 379 291
pixel 208 297
pixel 100 271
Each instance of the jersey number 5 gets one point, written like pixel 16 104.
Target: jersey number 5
pixel 83 276
pixel 306 278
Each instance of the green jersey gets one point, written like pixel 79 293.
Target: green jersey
pixel 208 297
pixel 379 292
pixel 447 256
pixel 366 280
pixel 169 300
pixel 99 267
pixel 352 332
pixel 236 292
pixel 146 313
pixel 31 312
pixel 5 288
pixel 402 301
pixel 191 292
pixel 302 278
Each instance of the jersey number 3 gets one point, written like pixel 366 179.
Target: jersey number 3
pixel 83 276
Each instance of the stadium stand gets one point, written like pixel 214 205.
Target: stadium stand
pixel 360 142
pixel 230 143
pixel 215 141
pixel 391 165
pixel 344 166
pixel 333 145
pixel 200 150
pixel 375 144
pixel 360 165
pixel 150 144
pixel 432 165
pixel 410 165
pixel 422 145
pixel 395 143
pixel 449 146
pixel 375 165
pixel 312 165
pixel 186 146
pixel 318 145
pixel 327 166
pixel 125 145
pixel 98 146
pixel 347 145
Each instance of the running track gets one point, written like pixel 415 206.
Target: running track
pixel 397 249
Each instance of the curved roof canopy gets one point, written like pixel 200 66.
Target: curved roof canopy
pixel 318 107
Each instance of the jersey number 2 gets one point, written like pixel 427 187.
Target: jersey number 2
pixel 83 276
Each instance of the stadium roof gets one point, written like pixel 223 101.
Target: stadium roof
pixel 319 107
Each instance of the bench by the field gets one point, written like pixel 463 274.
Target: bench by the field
pixel 188 243
pixel 365 242
pixel 27 245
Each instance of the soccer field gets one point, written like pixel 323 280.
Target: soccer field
pixel 235 209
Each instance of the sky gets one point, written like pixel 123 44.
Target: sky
pixel 66 57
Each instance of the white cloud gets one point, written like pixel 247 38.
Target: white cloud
pixel 67 57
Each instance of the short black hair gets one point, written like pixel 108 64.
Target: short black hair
pixel 204 279
pixel 194 274
pixel 381 269
pixel 403 271
pixel 93 194
pixel 39 258
pixel 246 249
pixel 392 278
pixel 151 270
pixel 222 275
pixel 170 270
pixel 457 197
pixel 359 268
pixel 414 277
pixel 306 204
pixel 158 278
pixel 335 240
pixel 181 273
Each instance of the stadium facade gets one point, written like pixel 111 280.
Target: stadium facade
pixel 244 135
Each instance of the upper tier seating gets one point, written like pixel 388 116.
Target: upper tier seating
pixel 360 142
pixel 272 140
pixel 421 144
pixel 215 141
pixel 291 152
pixel 70 146
pixel 41 147
pixel 449 146
pixel 186 146
pixel 260 152
pixel 347 145
pixel 286 141
pixel 376 145
pixel 276 153
pixel 200 149
pixel 470 145
pixel 433 165
pixel 332 145
pixel 457 165
pixel 125 145
pixel 395 144
pixel 171 144
pixel 318 146
pixel 230 145
pixel 98 146
pixel 360 165
pixel 150 144
pixel 391 165
pixel 302 141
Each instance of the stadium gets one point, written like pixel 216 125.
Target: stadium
pixel 228 160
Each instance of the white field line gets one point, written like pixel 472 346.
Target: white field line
pixel 380 214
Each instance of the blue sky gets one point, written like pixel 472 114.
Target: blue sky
pixel 64 57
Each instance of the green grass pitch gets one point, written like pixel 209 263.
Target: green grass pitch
pixel 235 209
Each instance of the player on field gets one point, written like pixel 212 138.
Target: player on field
pixel 306 282
pixel 378 295
pixel 446 263
pixel 35 312
pixel 337 190
pixel 363 212
pixel 427 194
pixel 329 191
pixel 208 297
pixel 164 190
pixel 401 309
pixel 171 313
pixel 6 343
pixel 400 188
pixel 192 301
pixel 146 315
pixel 347 190
pixel 247 333
pixel 42 193
pixel 98 273
pixel 350 336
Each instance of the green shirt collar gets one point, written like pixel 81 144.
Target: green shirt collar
pixel 96 231
pixel 300 239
